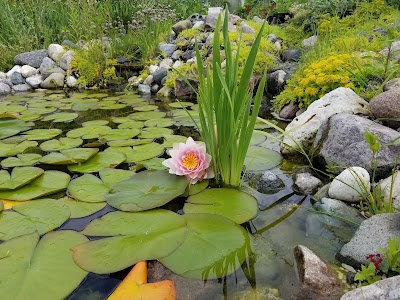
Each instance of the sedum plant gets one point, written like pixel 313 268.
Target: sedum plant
pixel 225 102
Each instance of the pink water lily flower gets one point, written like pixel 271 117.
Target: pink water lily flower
pixel 191 160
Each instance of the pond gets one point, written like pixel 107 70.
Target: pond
pixel 52 123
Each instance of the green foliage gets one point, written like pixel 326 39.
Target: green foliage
pixel 392 255
pixel 367 274
pixel 185 70
pixel 224 100
pixel 93 65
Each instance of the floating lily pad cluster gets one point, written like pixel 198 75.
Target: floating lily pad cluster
pixel 116 161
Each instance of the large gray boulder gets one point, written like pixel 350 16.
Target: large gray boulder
pixel 28 71
pixel 47 72
pixel 17 78
pixel 5 89
pixel 314 274
pixel 54 81
pixel 386 289
pixel 304 127
pixel 181 26
pixel 386 106
pixel 47 64
pixel 33 58
pixel 340 142
pixel 374 233
pixel 34 81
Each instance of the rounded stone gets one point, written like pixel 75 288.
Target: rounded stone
pixel 351 185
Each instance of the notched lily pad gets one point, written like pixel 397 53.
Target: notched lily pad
pixel 19 177
pixel 14 149
pixel 21 160
pixel 60 144
pixel 99 161
pixel 12 126
pixel 40 270
pixel 231 203
pixel 89 132
pixel 81 209
pixel 140 152
pixel 260 158
pixel 146 190
pixel 61 117
pixel 48 183
pixel 42 134
pixel 69 156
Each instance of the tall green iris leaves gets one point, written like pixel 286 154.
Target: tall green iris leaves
pixel 226 125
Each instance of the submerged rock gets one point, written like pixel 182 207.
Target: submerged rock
pixel 374 233
pixel 307 183
pixel 315 275
pixel 266 183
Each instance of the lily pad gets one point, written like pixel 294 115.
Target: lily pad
pixel 260 158
pixel 163 122
pixel 81 209
pixel 170 140
pixel 19 177
pixel 120 120
pixel 139 153
pixel 147 115
pixel 146 190
pixel 131 124
pixel 38 111
pixel 61 117
pixel 151 164
pixel 60 144
pixel 1 205
pixel 14 139
pixel 128 143
pixel 11 126
pixel 208 251
pixel 69 156
pixel 40 270
pixel 99 161
pixel 49 183
pixel 155 132
pixel 84 106
pixel 21 160
pixel 106 106
pixel 257 138
pixel 120 134
pixel 139 234
pixel 42 134
pixel 89 132
pixel 14 149
pixel 40 215
pixel 148 107
pixel 95 123
pixel 230 203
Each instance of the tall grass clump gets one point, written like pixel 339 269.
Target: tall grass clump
pixel 225 103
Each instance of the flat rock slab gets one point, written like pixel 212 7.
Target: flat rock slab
pixel 387 289
pixel 373 233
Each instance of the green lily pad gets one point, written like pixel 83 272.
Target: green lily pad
pixel 131 124
pixel 120 134
pixel 81 209
pixel 120 120
pixel 146 190
pixel 147 115
pixel 11 126
pixel 196 188
pixel 40 270
pixel 19 177
pixel 14 139
pixel 85 106
pixel 21 160
pixel 95 123
pixel 230 203
pixel 14 149
pixel 257 138
pixel 40 215
pixel 139 153
pixel 98 95
pixel 42 134
pixel 61 117
pixel 128 143
pixel 38 111
pixel 1 205
pixel 49 183
pixel 151 164
pixel 163 122
pixel 148 107
pixel 111 106
pixel 30 118
pixel 180 104
pixel 89 132
pixel 155 132
pixel 60 144
pixel 170 140
pixel 138 234
pixel 12 109
pixel 88 188
pixel 208 251
pixel 69 156
pixel 99 161
pixel 259 158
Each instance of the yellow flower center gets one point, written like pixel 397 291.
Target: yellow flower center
pixel 190 161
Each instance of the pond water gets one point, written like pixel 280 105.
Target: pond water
pixel 284 219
